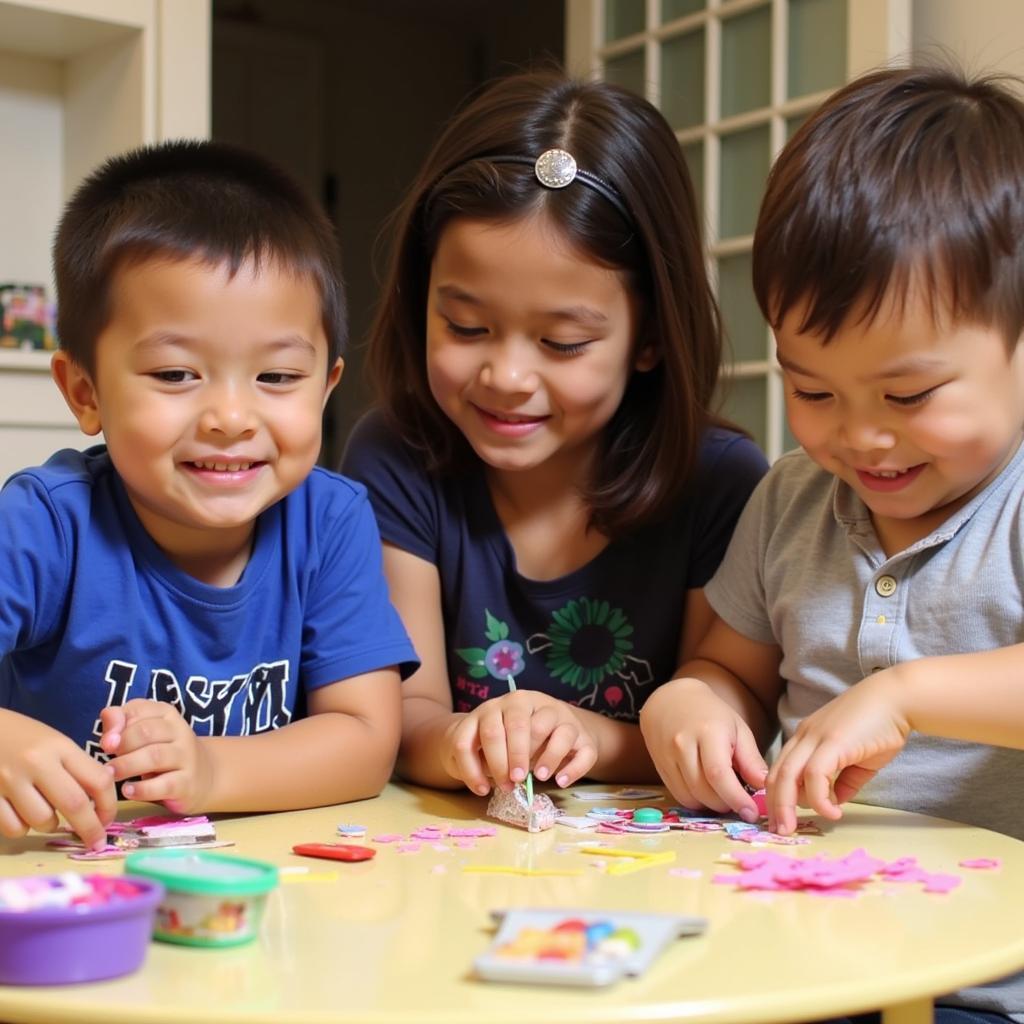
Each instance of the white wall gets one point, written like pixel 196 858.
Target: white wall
pixel 983 35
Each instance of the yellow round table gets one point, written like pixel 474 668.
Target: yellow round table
pixel 392 940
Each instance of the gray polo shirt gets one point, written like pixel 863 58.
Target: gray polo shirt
pixel 805 571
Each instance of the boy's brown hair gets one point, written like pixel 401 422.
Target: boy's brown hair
pixel 904 177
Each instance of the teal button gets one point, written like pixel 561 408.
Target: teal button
pixel 647 815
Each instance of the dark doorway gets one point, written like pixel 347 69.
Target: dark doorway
pixel 348 95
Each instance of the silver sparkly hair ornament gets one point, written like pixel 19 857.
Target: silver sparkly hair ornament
pixel 555 169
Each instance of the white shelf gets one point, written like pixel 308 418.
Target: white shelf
pixel 25 359
pixel 82 80
pixel 60 30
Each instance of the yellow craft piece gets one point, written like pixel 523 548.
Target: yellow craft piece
pixel 634 860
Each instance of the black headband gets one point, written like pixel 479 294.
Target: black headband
pixel 556 168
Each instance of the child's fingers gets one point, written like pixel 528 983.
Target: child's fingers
pixel 494 747
pixel 517 720
pixel 67 795
pixel 816 782
pixel 147 760
pixel 12 826
pixel 27 808
pixel 113 721
pixel 158 788
pixel 727 792
pixel 558 745
pixel 142 730
pixel 749 763
pixel 850 781
pixel 582 760
pixel 467 763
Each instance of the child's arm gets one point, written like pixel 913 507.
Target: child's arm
pixel 344 750
pixel 705 728
pixel 42 772
pixel 972 697
pixel 448 749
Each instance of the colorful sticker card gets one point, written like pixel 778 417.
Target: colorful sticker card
pixel 578 947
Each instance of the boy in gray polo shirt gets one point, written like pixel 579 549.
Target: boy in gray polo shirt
pixel 872 599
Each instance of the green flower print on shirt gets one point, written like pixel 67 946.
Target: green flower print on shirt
pixel 502 659
pixel 590 630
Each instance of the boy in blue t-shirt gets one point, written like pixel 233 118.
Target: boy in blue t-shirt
pixel 193 610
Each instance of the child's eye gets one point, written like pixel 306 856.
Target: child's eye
pixel 279 377
pixel 174 376
pixel 465 332
pixel 566 349
pixel 921 396
pixel 810 396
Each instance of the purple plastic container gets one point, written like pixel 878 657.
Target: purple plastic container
pixel 66 945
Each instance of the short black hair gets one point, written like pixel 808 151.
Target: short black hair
pixel 188 199
pixel 904 176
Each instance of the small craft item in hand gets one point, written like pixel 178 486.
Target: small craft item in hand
pixel 517 808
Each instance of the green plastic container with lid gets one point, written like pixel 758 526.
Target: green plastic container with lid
pixel 210 899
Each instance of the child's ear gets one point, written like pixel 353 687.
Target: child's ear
pixel 78 390
pixel 333 377
pixel 647 358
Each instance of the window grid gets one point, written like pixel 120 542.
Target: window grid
pixel 775 117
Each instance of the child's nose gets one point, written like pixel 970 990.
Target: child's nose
pixel 227 412
pixel 509 368
pixel 864 434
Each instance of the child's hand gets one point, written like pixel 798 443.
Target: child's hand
pixel 702 748
pixel 43 773
pixel 505 735
pixel 150 739
pixel 835 751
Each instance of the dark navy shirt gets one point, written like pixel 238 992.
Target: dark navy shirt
pixel 601 637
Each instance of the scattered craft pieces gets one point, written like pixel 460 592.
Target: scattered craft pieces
pixel 78 852
pixel 335 851
pixel 351 831
pixel 578 947
pixel 631 860
pixel 625 793
pixel 840 876
pixel 576 821
pixel 515 808
pixel 157 830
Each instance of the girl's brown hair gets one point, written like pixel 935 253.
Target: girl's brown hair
pixel 649 447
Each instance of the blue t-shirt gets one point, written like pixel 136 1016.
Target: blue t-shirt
pixel 92 613
pixel 601 637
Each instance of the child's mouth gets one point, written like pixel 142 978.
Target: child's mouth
pixel 889 479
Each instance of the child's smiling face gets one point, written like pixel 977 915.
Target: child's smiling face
pixel 209 391
pixel 530 344
pixel 916 413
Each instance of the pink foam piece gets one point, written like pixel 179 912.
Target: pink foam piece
pixel 770 871
pixel 388 837
pixel 408 847
pixel 760 802
pixel 981 863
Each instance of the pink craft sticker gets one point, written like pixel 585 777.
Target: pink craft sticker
pixel 982 863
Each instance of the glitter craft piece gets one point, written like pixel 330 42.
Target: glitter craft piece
pixel 515 808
